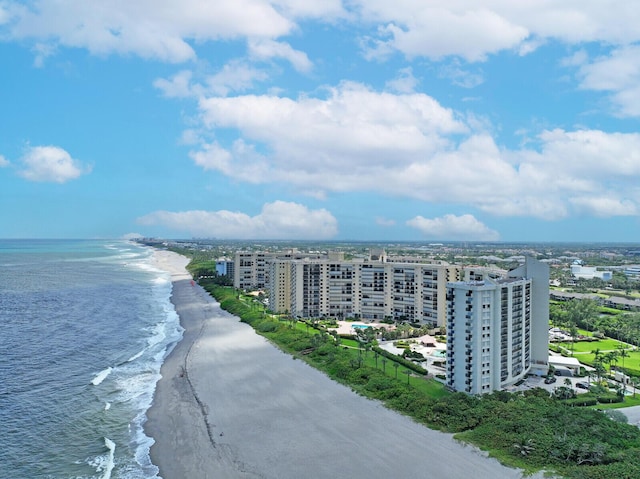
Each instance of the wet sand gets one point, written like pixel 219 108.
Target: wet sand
pixel 231 405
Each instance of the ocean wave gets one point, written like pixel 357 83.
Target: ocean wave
pixel 144 265
pixel 101 376
pixel 136 356
pixel 161 280
pixel 92 313
pixel 104 463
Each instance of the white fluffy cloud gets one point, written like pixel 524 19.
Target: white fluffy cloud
pixel 266 49
pixel 235 76
pixel 605 206
pixel 50 164
pixel 166 30
pixel 160 29
pixel 178 86
pixel 3 162
pixel 172 32
pixel 353 125
pixel 617 74
pixel 432 29
pixel 405 82
pixel 452 227
pixel 277 220
pixel 356 139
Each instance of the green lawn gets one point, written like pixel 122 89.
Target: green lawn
pixel 582 351
pixel 631 363
pixel 588 346
pixel 628 402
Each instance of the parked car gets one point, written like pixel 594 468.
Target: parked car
pixel 582 385
pixel 550 380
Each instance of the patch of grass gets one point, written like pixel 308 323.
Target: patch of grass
pixel 602 344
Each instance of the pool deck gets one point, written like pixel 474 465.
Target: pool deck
pixel 346 327
pixel 432 353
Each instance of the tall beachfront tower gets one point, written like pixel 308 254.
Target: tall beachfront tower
pixel 497 329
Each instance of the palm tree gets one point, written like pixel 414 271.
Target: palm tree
pixel 597 352
pixel 600 369
pixel 611 357
pixel 573 331
pixel 384 365
pixel 623 353
pixel 396 365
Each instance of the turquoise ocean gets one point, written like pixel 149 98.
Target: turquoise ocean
pixel 84 329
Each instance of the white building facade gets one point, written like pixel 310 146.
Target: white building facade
pixel 590 272
pixel 365 289
pixel 497 329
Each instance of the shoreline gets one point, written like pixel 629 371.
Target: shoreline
pixel 231 405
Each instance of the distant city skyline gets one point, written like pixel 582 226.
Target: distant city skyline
pixel 321 120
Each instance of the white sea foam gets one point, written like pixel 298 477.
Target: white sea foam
pixel 119 331
pixel 136 356
pixel 105 463
pixel 136 379
pixel 161 280
pixel 101 376
pixel 109 463
pixel 144 445
pixel 146 266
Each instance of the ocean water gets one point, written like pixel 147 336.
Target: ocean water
pixel 84 329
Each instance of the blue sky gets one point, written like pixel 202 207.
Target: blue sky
pixel 303 119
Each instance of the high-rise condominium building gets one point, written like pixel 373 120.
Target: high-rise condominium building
pixel 497 329
pixel 372 289
pixel 251 268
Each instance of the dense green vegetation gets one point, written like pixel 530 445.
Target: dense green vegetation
pixel 586 314
pixel 594 345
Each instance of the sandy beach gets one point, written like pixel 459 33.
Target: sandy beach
pixel 231 405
